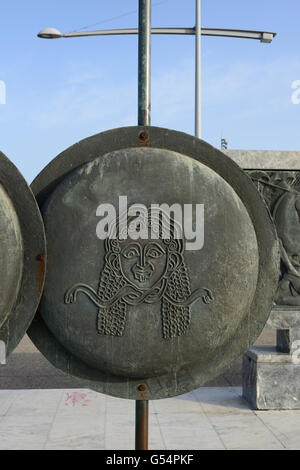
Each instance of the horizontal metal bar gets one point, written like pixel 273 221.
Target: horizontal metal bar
pixel 113 32
pixel 260 35
pixel 239 33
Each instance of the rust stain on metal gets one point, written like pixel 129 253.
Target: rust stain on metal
pixel 142 389
pixel 144 137
pixel 40 271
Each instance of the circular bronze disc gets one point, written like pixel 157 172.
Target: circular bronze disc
pixel 168 313
pixel 22 253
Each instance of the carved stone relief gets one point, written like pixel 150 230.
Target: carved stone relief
pixel 281 192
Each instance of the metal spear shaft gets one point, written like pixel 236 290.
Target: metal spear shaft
pixel 141 424
pixel 144 106
pixel 144 63
pixel 198 104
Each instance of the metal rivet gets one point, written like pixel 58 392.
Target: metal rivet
pixel 143 136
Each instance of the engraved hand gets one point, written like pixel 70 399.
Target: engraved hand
pixel 71 295
pixel 129 293
pixel 204 293
pixel 208 297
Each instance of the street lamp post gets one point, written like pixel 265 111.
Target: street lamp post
pixel 197 31
pixel 262 36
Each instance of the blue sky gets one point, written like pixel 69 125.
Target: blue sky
pixel 61 91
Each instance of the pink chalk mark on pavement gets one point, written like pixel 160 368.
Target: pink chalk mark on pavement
pixel 77 398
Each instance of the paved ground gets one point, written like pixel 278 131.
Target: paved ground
pixel 40 408
pixel 26 368
pixel 207 418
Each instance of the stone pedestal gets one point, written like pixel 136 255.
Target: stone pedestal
pixel 2 353
pixel 271 375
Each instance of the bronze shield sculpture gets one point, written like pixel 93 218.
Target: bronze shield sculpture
pixel 23 256
pixel 165 310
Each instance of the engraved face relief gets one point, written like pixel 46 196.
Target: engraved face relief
pixel 143 263
pixel 143 271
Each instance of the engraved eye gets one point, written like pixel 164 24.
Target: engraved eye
pixel 155 251
pixel 131 252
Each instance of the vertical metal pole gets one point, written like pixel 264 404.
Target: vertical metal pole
pixel 141 424
pixel 144 62
pixel 142 406
pixel 198 84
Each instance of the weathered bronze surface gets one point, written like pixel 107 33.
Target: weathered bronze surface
pixel 22 254
pixel 149 318
pixel 281 192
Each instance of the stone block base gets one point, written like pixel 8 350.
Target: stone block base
pixel 271 380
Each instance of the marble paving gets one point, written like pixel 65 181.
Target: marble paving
pixel 208 418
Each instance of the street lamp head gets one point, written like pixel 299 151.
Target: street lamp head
pixel 267 37
pixel 50 33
